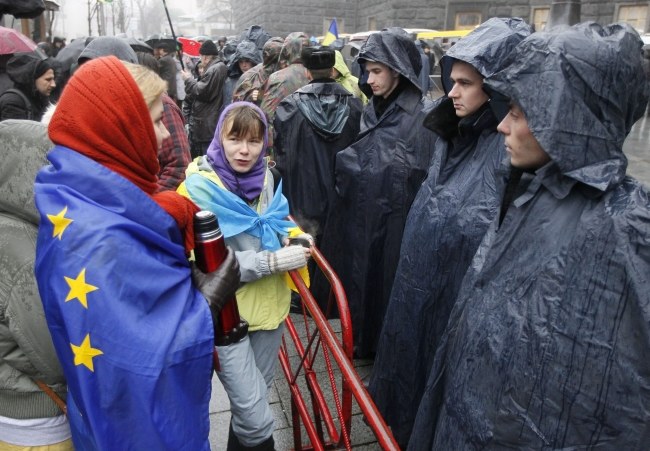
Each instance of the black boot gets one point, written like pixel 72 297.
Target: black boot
pixel 234 445
pixel 266 445
pixel 233 442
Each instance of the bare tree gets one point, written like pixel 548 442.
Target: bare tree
pixel 122 16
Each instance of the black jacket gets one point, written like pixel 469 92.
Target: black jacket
pixel 547 346
pixel 445 226
pixel 32 105
pixel 311 126
pixel 245 50
pixel 207 101
pixel 377 178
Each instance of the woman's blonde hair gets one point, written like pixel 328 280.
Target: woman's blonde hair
pixel 150 84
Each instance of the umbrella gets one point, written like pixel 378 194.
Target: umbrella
pixel 13 41
pixel 161 40
pixel 191 47
pixel 69 54
pixel 139 46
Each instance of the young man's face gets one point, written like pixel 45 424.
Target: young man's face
pixel 467 90
pixel 245 64
pixel 381 78
pixel 45 83
pixel 525 152
pixel 159 52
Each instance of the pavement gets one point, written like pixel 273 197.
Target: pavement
pixel 362 438
pixel 637 150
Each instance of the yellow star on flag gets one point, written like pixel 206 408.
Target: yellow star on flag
pixel 60 222
pixel 79 288
pixel 84 353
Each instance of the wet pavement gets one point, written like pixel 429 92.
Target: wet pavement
pixel 637 150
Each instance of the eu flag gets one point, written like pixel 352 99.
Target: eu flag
pixel 133 335
pixel 332 34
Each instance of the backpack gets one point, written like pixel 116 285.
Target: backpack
pixel 28 104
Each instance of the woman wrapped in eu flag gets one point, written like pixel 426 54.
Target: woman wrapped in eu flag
pixel 127 313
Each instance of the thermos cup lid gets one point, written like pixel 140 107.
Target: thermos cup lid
pixel 205 222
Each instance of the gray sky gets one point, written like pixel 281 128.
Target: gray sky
pixel 72 19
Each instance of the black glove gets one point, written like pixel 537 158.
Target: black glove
pixel 219 286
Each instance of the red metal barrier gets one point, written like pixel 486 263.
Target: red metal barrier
pixel 322 340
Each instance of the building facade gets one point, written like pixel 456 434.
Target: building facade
pixel 280 17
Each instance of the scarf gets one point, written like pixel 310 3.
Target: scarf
pixel 236 216
pixel 103 116
pixel 246 185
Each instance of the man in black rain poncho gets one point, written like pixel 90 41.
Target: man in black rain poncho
pixel 548 344
pixel 311 126
pixel 448 219
pixel 376 180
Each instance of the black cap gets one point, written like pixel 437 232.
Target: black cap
pixel 314 58
pixel 208 48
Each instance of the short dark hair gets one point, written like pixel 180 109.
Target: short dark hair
pixel 320 73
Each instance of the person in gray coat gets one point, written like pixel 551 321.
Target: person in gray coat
pixel 28 416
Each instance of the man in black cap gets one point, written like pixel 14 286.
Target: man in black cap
pixel 33 79
pixel 164 50
pixel 58 43
pixel 206 98
pixel 311 126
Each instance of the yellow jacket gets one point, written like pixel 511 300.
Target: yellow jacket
pixel 264 298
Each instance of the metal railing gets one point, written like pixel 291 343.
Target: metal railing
pixel 326 428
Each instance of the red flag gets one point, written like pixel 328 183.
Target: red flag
pixel 190 46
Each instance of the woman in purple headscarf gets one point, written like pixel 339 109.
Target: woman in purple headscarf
pixel 234 182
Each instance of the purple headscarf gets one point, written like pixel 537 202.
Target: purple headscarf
pixel 247 185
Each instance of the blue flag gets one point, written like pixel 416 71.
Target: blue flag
pixel 236 216
pixel 133 335
pixel 332 34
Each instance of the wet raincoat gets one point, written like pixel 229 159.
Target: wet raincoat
pixel 257 35
pixel 377 178
pixel 256 77
pixel 547 346
pixel 346 79
pixel 311 126
pixel 245 50
pixel 285 81
pixel 32 104
pixel 445 226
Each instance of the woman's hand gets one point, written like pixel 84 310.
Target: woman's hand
pixel 288 258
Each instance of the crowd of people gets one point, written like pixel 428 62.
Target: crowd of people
pixel 494 254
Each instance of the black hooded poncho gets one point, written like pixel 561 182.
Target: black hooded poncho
pixel 548 345
pixel 311 126
pixel 445 225
pixel 245 50
pixel 376 180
